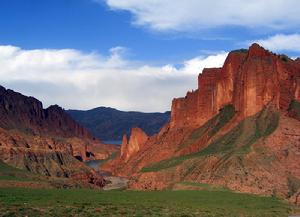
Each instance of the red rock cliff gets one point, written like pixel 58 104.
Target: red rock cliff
pixel 27 114
pixel 249 79
pixel 136 141
pixel 250 146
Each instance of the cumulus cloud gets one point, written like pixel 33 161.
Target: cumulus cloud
pixel 281 42
pixel 74 79
pixel 191 15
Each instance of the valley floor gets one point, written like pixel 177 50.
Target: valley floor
pixel 82 202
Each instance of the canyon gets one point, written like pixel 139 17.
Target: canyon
pixel 240 129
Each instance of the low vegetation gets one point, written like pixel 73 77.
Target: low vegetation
pixel 240 51
pixel 211 127
pixel 284 58
pixel 14 177
pixel 82 202
pixel 11 173
pixel 293 184
pixel 236 141
pixel 294 109
pixel 204 186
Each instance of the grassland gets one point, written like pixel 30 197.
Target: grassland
pixel 209 201
pixel 82 202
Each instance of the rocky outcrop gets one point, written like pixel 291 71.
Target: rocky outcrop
pixel 249 80
pixel 27 115
pixel 51 163
pixel 46 141
pixel 239 129
pixel 124 145
pixel 137 139
pixel 46 156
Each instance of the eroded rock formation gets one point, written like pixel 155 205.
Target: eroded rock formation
pixel 137 139
pixel 249 80
pixel 239 129
pixel 46 141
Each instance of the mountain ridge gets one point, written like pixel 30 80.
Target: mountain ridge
pixel 111 124
pixel 47 141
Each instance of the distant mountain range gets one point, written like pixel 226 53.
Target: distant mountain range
pixel 110 124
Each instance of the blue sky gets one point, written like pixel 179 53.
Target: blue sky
pixel 88 26
pixel 55 49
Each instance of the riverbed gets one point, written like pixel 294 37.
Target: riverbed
pixel 114 181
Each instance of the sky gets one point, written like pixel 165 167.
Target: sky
pixel 131 54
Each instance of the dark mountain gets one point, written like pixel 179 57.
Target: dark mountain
pixel 47 141
pixel 28 115
pixel 110 124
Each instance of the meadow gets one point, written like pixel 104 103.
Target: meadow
pixel 83 202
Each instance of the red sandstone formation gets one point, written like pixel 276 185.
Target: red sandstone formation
pixel 248 80
pixel 46 140
pixel 137 139
pixel 239 129
pixel 27 114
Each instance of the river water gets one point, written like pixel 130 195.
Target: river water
pixel 112 142
pixel 95 164
pixel 114 181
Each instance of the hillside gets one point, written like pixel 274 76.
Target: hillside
pixel 240 129
pixel 46 141
pixel 11 177
pixel 110 124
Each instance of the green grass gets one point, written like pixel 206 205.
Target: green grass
pixel 295 108
pixel 204 186
pixel 11 173
pixel 4 167
pixel 240 51
pixel 81 202
pixel 11 176
pixel 211 127
pixel 237 141
pixel 293 184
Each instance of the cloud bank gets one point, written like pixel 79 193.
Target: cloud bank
pixel 281 42
pixel 191 15
pixel 74 79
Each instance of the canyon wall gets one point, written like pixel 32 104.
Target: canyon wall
pixel 250 79
pixel 240 129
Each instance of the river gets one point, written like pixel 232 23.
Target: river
pixel 114 181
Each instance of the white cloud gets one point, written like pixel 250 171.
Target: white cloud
pixel 281 42
pixel 191 15
pixel 79 80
